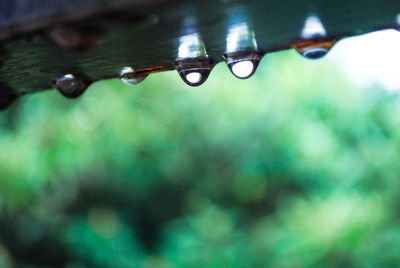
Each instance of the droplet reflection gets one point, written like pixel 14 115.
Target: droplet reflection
pixel 130 77
pixel 193 77
pixel 71 85
pixel 240 37
pixel 243 69
pixel 244 64
pixel 194 72
pixel 313 27
pixel 314 49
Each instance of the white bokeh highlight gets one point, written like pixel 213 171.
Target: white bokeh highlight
pixel 194 77
pixel 313 27
pixel 371 59
pixel 243 69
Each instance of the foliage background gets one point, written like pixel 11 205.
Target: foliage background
pixel 296 167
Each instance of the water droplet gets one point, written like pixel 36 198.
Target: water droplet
pixel 191 46
pixel 240 37
pixel 313 49
pixel 72 86
pixel 243 65
pixel 195 77
pixel 194 72
pixel 312 28
pixel 130 77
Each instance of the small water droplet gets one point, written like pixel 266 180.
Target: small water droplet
pixel 130 77
pixel 314 49
pixel 244 64
pixel 194 72
pixel 240 37
pixel 72 86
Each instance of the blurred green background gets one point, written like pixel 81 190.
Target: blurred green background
pixel 295 167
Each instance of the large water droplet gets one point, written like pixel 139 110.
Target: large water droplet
pixel 194 72
pixel 313 49
pixel 243 65
pixel 71 85
pixel 130 77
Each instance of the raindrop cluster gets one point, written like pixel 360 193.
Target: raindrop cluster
pixel 194 64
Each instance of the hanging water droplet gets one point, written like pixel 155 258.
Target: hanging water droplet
pixel 313 49
pixel 130 77
pixel 243 65
pixel 194 72
pixel 72 86
pixel 195 77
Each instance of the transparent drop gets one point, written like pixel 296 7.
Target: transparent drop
pixel 130 77
pixel 243 65
pixel 194 72
pixel 313 27
pixel 72 86
pixel 313 49
pixel 240 37
pixel 195 77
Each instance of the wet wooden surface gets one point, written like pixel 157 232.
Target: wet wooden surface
pixel 42 40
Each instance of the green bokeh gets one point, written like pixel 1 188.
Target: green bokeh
pixel 295 167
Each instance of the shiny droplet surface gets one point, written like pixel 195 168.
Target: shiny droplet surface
pixel 194 72
pixel 71 85
pixel 195 77
pixel 243 69
pixel 313 49
pixel 243 65
pixel 312 28
pixel 130 77
pixel 240 37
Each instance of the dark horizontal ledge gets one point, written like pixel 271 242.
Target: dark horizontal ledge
pixel 43 40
